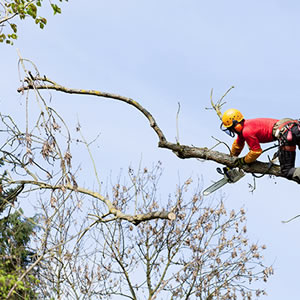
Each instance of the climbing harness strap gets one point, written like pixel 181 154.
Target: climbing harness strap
pixel 282 130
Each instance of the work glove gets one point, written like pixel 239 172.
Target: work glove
pixel 239 162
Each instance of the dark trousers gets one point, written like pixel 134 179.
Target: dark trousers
pixel 287 153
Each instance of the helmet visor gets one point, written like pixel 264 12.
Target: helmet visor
pixel 227 130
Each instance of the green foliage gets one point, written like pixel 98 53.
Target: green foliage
pixel 56 9
pixel 15 235
pixel 24 289
pixel 16 257
pixel 22 9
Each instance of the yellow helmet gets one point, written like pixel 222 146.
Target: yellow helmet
pixel 231 116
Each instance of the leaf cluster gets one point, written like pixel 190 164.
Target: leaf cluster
pixel 22 9
pixel 24 289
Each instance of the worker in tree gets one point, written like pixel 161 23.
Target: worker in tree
pixel 264 130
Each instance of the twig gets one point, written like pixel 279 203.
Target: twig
pixel 252 187
pixel 177 127
pixel 220 142
pixel 220 103
pixel 92 159
pixel 290 219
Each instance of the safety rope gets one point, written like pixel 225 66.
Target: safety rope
pixel 271 161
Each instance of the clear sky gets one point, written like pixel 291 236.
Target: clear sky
pixel 164 52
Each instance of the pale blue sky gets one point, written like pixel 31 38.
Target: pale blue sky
pixel 162 52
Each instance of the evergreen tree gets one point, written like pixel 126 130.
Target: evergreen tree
pixel 15 252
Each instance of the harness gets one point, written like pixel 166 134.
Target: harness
pixel 283 132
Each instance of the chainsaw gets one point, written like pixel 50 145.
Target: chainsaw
pixel 229 176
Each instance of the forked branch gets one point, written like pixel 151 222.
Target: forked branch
pixel 112 210
pixel 218 105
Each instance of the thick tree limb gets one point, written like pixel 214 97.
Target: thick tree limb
pixel 182 151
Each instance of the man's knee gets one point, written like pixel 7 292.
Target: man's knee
pixel 296 175
pixel 287 172
pixel 292 174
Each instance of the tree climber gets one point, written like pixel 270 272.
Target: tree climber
pixel 264 130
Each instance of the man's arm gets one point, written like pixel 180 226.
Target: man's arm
pixel 252 155
pixel 255 149
pixel 254 152
pixel 237 147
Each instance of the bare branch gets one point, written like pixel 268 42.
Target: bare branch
pixel 287 221
pixel 177 125
pixel 134 219
pixel 217 107
pixel 57 87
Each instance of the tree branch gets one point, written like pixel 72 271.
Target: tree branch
pixel 182 151
pixel 134 219
pixel 57 87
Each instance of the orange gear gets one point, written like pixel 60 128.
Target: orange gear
pixel 230 116
pixel 252 156
pixel 236 148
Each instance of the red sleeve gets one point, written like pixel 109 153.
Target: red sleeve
pixel 240 141
pixel 253 143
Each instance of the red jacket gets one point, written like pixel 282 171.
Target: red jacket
pixel 254 132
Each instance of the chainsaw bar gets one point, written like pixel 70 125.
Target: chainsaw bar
pixel 217 185
pixel 230 176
